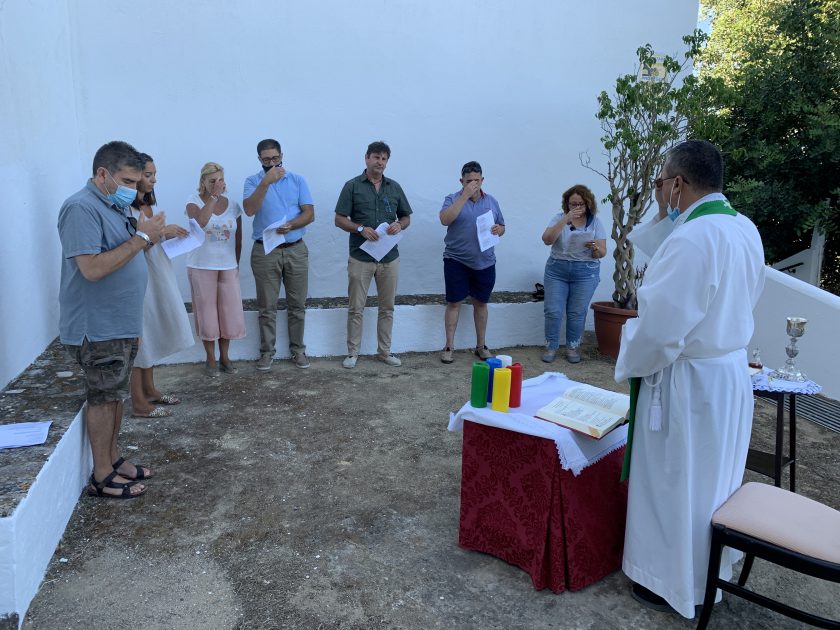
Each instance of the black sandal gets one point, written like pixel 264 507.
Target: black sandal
pixel 139 473
pixel 97 488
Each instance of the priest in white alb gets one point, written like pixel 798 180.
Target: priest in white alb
pixel 695 404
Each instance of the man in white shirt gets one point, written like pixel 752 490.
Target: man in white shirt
pixel 695 405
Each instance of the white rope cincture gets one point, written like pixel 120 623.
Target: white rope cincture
pixel 654 381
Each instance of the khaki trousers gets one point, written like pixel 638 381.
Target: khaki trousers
pixel 359 276
pixel 289 265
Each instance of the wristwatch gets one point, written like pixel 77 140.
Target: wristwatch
pixel 360 229
pixel 144 236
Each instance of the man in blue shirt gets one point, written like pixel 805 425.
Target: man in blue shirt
pixel 103 283
pixel 467 270
pixel 270 196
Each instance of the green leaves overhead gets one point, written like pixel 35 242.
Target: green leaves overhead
pixel 778 118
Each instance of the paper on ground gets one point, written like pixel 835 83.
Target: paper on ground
pixel 386 242
pixel 24 434
pixel 177 246
pixel 271 238
pixel 483 224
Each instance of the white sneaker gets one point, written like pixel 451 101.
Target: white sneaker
pixel 349 362
pixel 390 360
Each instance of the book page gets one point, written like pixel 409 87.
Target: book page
pixel 271 239
pixel 386 242
pixel 577 414
pixel 483 224
pixel 604 400
pixel 178 246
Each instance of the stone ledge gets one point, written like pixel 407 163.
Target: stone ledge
pixel 497 297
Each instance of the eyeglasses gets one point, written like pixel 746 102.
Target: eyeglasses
pixel 659 181
pixel 577 204
pixel 274 159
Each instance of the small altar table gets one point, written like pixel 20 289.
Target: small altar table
pixel 772 464
pixel 520 504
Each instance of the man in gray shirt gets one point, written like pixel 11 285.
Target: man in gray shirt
pixel 103 282
pixel 467 270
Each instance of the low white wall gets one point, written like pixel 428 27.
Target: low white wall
pixel 29 536
pixel 819 348
pixel 416 329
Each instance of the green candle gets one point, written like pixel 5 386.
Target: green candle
pixel 480 378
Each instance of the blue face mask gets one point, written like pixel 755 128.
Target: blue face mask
pixel 123 196
pixel 673 213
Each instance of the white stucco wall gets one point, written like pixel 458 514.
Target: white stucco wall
pixel 40 165
pixel 512 85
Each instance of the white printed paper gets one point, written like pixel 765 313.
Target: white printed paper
pixel 24 434
pixel 483 224
pixel 271 238
pixel 176 246
pixel 377 249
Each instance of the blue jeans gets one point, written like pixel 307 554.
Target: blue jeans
pixel 569 286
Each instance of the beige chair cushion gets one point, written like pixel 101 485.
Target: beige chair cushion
pixel 784 519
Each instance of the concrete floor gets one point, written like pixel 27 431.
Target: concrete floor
pixel 329 498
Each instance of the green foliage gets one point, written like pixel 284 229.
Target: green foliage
pixel 779 113
pixel 640 120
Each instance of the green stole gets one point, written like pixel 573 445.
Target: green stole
pixel 719 206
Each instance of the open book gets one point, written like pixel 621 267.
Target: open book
pixel 587 409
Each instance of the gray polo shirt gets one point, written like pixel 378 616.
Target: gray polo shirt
pixel 112 307
pixel 461 235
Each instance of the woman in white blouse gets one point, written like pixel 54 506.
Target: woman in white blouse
pixel 213 269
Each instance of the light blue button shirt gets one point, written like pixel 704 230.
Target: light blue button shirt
pixel 283 198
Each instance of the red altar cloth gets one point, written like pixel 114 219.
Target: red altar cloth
pixel 519 505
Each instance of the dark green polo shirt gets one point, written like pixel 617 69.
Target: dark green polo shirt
pixel 360 201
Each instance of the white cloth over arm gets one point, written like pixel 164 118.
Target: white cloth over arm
pixel 695 320
pixel 649 236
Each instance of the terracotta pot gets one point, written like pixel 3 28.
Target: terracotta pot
pixel 608 323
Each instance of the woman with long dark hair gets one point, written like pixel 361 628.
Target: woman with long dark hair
pixel 166 326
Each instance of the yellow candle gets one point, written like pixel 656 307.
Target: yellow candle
pixel 501 389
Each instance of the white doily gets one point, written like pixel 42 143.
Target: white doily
pixel 762 381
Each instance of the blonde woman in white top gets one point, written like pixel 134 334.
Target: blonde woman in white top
pixel 213 269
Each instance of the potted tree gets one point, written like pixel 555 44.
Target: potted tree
pixel 648 112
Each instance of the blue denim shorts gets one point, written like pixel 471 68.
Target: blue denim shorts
pixel 462 281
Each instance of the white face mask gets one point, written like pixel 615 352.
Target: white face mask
pixel 673 213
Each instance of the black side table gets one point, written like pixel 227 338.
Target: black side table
pixel 772 464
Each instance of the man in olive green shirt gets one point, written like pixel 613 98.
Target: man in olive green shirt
pixel 366 202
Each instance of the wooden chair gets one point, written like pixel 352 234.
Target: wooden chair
pixel 781 527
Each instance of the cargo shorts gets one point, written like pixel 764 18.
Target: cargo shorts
pixel 107 366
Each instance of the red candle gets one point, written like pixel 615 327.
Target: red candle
pixel 515 384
